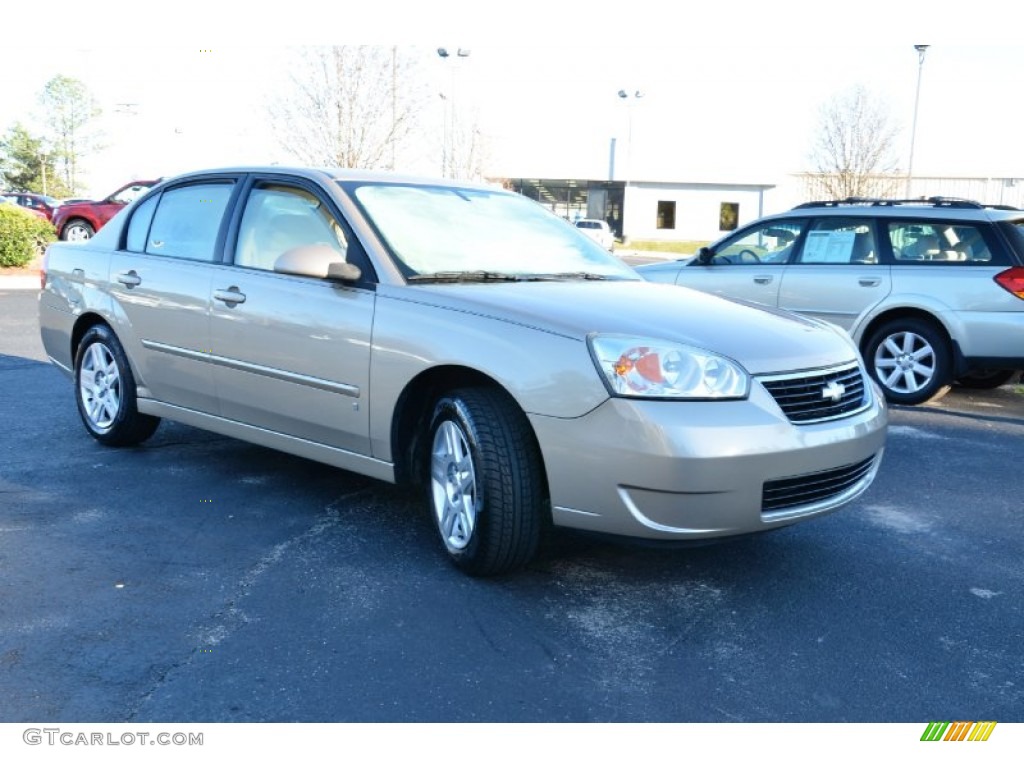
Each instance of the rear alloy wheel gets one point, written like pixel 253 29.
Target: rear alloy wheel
pixel 985 379
pixel 485 488
pixel 77 230
pixel 910 360
pixel 105 391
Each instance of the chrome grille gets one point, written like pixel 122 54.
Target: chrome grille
pixel 812 396
pixel 811 489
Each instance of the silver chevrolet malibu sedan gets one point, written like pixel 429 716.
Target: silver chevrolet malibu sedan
pixel 463 339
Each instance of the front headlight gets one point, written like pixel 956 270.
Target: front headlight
pixel 639 367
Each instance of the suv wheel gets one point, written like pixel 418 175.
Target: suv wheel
pixel 77 230
pixel 910 360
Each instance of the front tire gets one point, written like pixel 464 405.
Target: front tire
pixel 485 486
pixel 911 361
pixel 105 391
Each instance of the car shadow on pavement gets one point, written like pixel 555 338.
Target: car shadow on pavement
pixel 13 363
pixel 1008 399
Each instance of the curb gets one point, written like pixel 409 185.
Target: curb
pixel 19 282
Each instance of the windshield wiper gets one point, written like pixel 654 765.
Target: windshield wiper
pixel 572 276
pixel 483 276
pixel 479 276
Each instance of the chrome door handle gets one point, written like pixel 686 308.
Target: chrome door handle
pixel 230 296
pixel 763 279
pixel 128 279
pixel 870 282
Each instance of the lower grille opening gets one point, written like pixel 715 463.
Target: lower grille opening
pixel 799 491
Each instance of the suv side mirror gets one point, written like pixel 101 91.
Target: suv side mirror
pixel 705 255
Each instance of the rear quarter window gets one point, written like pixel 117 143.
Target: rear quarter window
pixel 942 242
pixel 138 227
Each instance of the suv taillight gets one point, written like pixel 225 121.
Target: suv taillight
pixel 1012 280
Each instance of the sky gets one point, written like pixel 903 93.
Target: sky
pixel 731 90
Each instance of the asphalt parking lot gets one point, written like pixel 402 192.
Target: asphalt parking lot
pixel 200 579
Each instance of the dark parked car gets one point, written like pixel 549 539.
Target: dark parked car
pixel 12 201
pixel 80 221
pixel 43 204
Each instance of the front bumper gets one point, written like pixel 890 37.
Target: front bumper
pixel 693 470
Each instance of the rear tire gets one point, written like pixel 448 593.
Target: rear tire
pixel 105 391
pixel 485 483
pixel 910 360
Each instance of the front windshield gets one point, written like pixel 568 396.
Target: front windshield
pixel 434 230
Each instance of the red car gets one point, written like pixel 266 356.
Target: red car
pixel 80 221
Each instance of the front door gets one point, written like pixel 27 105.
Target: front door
pixel 292 354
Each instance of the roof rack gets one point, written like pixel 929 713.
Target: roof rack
pixel 938 202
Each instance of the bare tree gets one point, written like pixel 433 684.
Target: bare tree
pixel 347 106
pixel 68 107
pixel 854 152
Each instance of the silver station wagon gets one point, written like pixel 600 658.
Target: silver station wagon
pixel 931 290
pixel 463 339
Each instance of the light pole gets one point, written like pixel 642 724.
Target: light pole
pixel 629 98
pixel 913 127
pixel 448 166
pixel 42 167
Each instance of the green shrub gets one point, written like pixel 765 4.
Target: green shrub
pixel 22 236
pixel 666 246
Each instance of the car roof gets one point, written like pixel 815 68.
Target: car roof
pixel 326 174
pixel 930 208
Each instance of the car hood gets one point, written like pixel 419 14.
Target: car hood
pixel 762 339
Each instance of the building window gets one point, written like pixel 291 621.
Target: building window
pixel 728 216
pixel 666 214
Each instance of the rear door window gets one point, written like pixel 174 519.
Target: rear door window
pixel 187 221
pixel 839 241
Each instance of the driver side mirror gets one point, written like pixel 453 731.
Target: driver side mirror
pixel 705 255
pixel 319 260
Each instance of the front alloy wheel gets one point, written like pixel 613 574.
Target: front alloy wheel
pixel 453 485
pixel 910 360
pixel 486 487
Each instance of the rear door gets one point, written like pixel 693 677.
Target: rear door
pixel 838 273
pixel 160 283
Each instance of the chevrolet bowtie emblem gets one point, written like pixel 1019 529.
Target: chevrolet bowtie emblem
pixel 834 391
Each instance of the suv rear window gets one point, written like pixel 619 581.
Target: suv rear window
pixel 930 242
